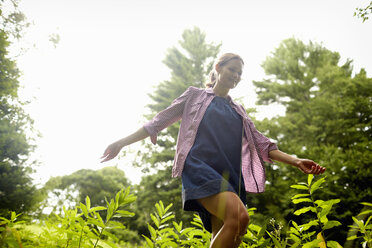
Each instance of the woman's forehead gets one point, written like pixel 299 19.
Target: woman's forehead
pixel 235 63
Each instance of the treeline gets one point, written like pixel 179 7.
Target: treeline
pixel 327 119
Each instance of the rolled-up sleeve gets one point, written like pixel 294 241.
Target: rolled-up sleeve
pixel 167 116
pixel 264 144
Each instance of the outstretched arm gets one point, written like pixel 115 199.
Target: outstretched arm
pixel 305 165
pixel 113 150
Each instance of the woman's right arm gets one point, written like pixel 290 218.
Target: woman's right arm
pixel 160 121
pixel 113 150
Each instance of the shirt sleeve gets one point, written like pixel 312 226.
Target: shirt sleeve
pixel 167 116
pixel 264 145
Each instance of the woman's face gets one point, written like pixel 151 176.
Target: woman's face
pixel 229 74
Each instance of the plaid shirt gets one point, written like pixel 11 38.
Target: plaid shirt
pixel 190 107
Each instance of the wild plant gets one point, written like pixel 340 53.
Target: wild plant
pixel 312 233
pixel 80 227
pixel 163 234
pixel 9 234
pixel 363 229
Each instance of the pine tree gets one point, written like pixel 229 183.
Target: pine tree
pixel 328 119
pixel 190 64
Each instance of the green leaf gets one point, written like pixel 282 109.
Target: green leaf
pixel 84 209
pixel 299 200
pixel 149 242
pixel 155 220
pixel 13 216
pixel 124 213
pixel 358 222
pixel 262 232
pixel 178 227
pixel 152 231
pixel 366 204
pixel 325 204
pixel 299 195
pixel 276 242
pixel 311 244
pixel 302 187
pixel 117 224
pixel 87 202
pixel 168 218
pixel 168 207
pixel 310 179
pixel 365 212
pixel 95 222
pixel 309 224
pixel 333 244
pixel 352 237
pixel 159 208
pixel 305 210
pixel 316 185
pixel 97 209
pixel 330 224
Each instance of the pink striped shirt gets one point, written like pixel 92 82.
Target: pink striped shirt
pixel 190 107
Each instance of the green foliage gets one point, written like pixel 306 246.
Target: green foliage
pixel 327 119
pixel 12 21
pixel 364 12
pixel 303 234
pixel 82 226
pixel 309 234
pixel 15 130
pixel 363 228
pixel 168 233
pixel 97 184
pixel 9 234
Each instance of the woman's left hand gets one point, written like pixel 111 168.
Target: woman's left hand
pixel 309 167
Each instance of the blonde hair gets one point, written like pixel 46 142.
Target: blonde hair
pixel 221 61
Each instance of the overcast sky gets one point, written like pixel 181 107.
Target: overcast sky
pixel 91 89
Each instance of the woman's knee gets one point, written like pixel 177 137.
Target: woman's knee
pixel 238 221
pixel 244 222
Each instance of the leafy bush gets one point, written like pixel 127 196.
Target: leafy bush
pixel 79 227
pixel 83 226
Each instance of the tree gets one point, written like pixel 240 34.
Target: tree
pixel 328 119
pixel 364 12
pixel 97 184
pixel 17 193
pixel 189 65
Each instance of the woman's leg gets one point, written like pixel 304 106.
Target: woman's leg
pixel 216 225
pixel 227 207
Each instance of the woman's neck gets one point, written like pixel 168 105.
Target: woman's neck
pixel 220 91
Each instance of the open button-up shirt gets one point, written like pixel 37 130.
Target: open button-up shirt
pixel 190 107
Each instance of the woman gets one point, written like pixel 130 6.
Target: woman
pixel 219 152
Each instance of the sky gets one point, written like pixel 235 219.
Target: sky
pixel 92 87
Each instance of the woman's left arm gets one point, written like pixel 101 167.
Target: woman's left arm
pixel 305 165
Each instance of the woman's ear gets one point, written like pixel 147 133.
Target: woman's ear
pixel 217 68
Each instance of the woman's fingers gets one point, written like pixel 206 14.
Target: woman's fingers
pixel 317 169
pixel 310 167
pixel 107 155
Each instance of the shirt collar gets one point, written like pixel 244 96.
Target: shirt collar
pixel 210 91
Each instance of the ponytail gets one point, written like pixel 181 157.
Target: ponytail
pixel 212 79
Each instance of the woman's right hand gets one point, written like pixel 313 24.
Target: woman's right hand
pixel 111 151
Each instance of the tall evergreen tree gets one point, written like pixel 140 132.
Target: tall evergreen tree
pixel 17 192
pixel 190 64
pixel 328 119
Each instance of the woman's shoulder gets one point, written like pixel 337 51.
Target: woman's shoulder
pixel 195 89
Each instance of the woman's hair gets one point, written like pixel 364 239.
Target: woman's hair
pixel 221 61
